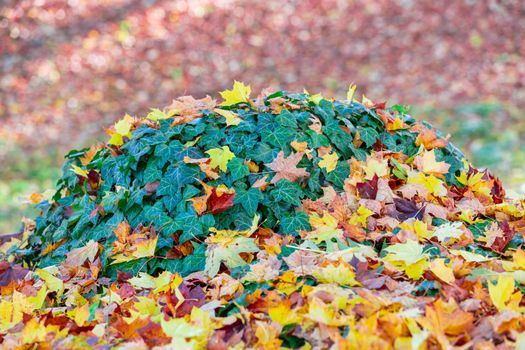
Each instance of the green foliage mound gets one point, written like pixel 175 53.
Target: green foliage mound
pixel 152 170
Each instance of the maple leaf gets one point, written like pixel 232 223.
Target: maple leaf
pixel 219 202
pixel 286 168
pixel 142 249
pixel 52 282
pixel 428 138
pixel 360 216
pixel 121 130
pixel 375 167
pixel 351 91
pixel 78 256
pixel 325 228
pixel 449 232
pixel 220 157
pixel 426 163
pixel 409 257
pixel 434 185
pixel 227 252
pixel 189 107
pixel 406 209
pixel 443 272
pixel 156 115
pixel 239 93
pixel 329 162
pixel 283 314
pixel 501 292
pixel 340 273
pixel 11 273
pixel 231 117
pixel 368 189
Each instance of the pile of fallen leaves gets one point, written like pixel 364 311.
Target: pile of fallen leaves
pixel 282 221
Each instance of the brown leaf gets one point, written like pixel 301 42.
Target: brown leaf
pixel 286 168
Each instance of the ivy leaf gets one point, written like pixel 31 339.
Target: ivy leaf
pixel 238 169
pixel 175 178
pixel 292 223
pixel 369 136
pixel 249 199
pixel 287 191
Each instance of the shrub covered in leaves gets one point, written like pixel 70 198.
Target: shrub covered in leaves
pixel 289 220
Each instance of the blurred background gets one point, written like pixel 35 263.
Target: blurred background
pixel 69 68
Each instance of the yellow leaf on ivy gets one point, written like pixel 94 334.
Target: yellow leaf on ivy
pixel 156 115
pixel 239 93
pixel 329 162
pixel 220 157
pixel 121 129
pixel 231 117
pixel 426 163
pixel 79 171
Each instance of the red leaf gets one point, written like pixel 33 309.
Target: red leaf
pixel 217 204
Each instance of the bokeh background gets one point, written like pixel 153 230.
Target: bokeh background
pixel 69 68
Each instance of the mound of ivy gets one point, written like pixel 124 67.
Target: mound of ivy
pixel 141 176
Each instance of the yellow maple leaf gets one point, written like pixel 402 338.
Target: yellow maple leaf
pixel 283 314
pixel 121 129
pixel 469 256
pixel 396 124
pixel 434 185
pixel 220 157
pixel 227 252
pixel 231 117
pixel 54 284
pixel 239 93
pixel 501 292
pixel 313 98
pixel 408 257
pixel 322 313
pixel 156 115
pixel 324 228
pixel 329 161
pixel 426 163
pixel 442 271
pixel 360 216
pixel 142 249
pixel 517 263
pixel 342 274
pixel 351 91
pixel 375 167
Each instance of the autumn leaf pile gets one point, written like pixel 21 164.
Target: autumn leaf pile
pixel 277 221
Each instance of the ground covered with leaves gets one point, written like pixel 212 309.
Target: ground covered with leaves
pixel 286 220
pixel 141 53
